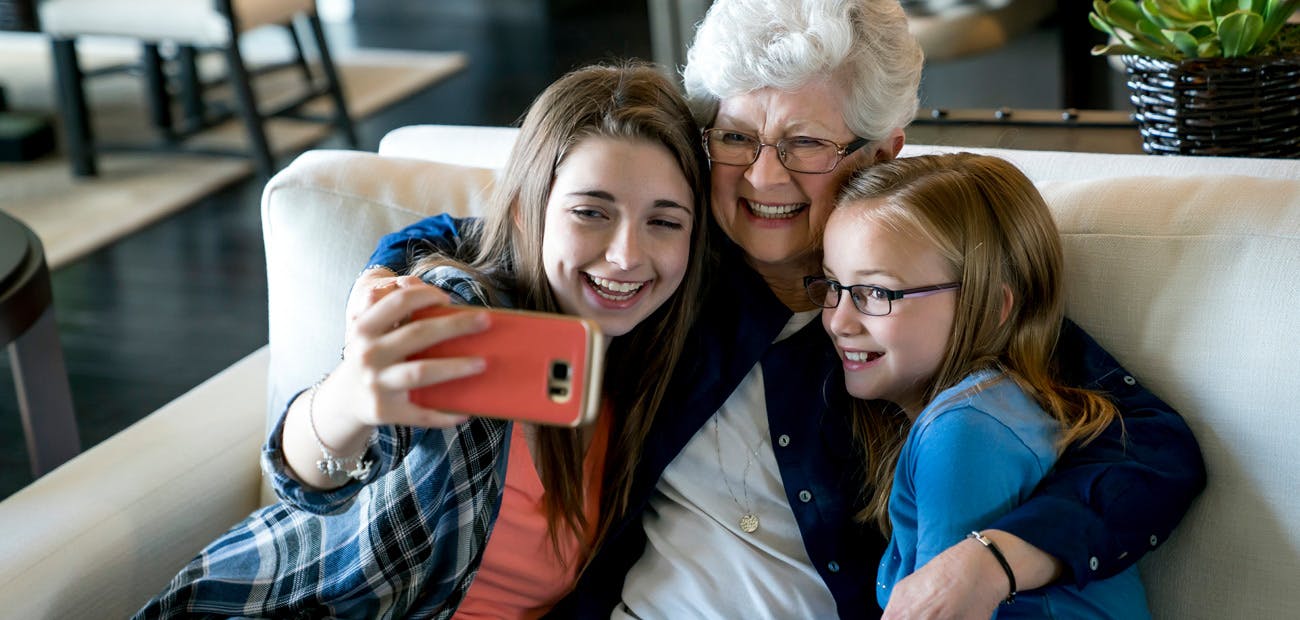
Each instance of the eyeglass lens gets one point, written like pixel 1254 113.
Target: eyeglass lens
pixel 867 299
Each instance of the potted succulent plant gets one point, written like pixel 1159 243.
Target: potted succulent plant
pixel 1209 77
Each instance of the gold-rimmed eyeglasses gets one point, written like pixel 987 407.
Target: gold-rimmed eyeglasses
pixel 796 153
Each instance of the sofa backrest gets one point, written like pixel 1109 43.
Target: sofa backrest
pixel 1186 269
pixel 1194 285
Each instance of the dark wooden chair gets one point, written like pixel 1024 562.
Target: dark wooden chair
pixel 189 27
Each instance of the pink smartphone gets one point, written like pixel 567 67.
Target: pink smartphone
pixel 541 368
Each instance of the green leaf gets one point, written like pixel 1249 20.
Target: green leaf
pixel 1185 43
pixel 1209 49
pixel 1199 9
pixel 1115 49
pixel 1239 32
pixel 1153 33
pixel 1180 11
pixel 1099 7
pixel 1276 17
pixel 1125 14
pixel 1222 8
pixel 1152 12
pixel 1100 24
pixel 1146 48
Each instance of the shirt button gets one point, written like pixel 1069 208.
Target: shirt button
pixel 833 567
pixel 783 440
pixel 805 496
pixel 1153 540
pixel 1129 380
pixel 1092 563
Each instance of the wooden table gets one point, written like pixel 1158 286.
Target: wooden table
pixel 28 330
pixel 1083 131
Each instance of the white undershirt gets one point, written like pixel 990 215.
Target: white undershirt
pixel 698 562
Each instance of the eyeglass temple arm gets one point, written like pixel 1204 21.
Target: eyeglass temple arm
pixel 922 291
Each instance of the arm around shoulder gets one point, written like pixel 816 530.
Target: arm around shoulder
pixel 1108 503
pixel 395 250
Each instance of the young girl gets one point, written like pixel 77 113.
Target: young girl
pixel 942 294
pixel 392 510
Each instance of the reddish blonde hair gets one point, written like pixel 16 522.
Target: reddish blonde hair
pixel 995 231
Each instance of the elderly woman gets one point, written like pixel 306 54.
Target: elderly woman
pixel 747 492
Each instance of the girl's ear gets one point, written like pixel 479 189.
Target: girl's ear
pixel 516 218
pixel 1008 301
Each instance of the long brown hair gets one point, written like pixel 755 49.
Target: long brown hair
pixel 631 101
pixel 995 231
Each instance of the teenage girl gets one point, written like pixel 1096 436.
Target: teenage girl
pixel 392 510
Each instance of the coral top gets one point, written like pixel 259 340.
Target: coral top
pixel 520 576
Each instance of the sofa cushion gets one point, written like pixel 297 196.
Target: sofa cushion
pixel 1193 284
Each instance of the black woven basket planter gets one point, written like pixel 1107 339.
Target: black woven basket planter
pixel 1246 107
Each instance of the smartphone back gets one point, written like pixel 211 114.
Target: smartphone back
pixel 541 368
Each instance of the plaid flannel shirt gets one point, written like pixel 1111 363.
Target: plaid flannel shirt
pixel 405 543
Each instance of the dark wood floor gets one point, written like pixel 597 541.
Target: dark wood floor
pixel 151 316
pixel 156 313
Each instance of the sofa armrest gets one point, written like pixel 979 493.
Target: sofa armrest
pixel 101 534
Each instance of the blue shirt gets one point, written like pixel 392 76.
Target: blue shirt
pixel 1096 512
pixel 976 452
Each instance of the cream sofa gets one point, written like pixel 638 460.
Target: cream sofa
pixel 1189 276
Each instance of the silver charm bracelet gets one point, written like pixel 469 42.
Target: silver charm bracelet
pixel 354 467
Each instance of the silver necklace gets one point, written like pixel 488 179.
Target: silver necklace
pixel 748 520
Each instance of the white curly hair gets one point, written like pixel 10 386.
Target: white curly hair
pixel 862 45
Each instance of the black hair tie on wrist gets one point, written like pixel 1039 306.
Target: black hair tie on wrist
pixel 1002 559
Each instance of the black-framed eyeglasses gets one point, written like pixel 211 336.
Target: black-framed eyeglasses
pixel 869 299
pixel 796 153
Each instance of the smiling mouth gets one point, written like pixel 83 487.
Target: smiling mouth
pixel 614 290
pixel 774 211
pixel 862 356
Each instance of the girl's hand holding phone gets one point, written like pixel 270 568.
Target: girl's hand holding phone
pixel 373 381
pixel 542 368
pixel 371 386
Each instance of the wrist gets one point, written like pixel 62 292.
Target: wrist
pixel 331 422
pixel 1034 567
pixel 995 552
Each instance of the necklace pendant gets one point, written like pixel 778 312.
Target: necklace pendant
pixel 749 523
